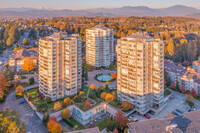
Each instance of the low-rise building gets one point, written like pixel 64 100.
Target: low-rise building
pixel 191 80
pixel 174 71
pixel 189 123
pixel 196 65
pixel 17 60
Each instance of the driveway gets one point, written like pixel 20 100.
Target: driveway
pixel 33 123
pixel 92 74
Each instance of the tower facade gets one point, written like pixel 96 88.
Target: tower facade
pixel 140 69
pixel 59 65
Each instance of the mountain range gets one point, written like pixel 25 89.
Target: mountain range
pixel 177 10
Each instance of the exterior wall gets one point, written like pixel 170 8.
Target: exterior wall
pixel 60 66
pixel 140 72
pixel 16 65
pixel 99 47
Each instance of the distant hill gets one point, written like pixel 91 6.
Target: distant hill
pixel 177 10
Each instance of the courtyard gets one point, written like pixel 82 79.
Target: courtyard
pixel 92 80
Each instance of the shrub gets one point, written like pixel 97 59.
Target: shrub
pixel 92 86
pixel 45 118
pixel 87 104
pixel 48 99
pixel 127 106
pixel 42 107
pixel 103 95
pixel 67 101
pixel 19 89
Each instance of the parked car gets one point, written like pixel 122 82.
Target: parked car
pixel 135 119
pixel 146 116
pixel 171 97
pixel 192 109
pixel 21 102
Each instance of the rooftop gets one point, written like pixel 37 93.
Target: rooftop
pixel 175 68
pixel 189 123
pixel 139 35
pixel 99 27
pixel 191 74
pixel 21 54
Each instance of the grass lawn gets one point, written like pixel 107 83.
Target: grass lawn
pixel 102 125
pixel 74 122
pixel 51 104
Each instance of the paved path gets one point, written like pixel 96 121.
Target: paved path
pixel 36 77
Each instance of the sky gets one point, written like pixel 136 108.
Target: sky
pixel 90 4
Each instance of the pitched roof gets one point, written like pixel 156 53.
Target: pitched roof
pixel 90 130
pixel 191 74
pixel 172 67
pixel 30 53
pixel 190 122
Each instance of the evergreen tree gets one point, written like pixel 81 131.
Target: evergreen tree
pixel 177 85
pixel 86 75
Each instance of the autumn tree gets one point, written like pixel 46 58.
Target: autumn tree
pixel 10 122
pixel 67 101
pixel 183 90
pixel 3 84
pixel 54 127
pixel 114 75
pixel 103 95
pixel 170 47
pixel 127 106
pixel 172 85
pixel 92 86
pixel 109 98
pixel 65 114
pixel 57 106
pixel 81 93
pixel 121 120
pixel 19 90
pixel 193 92
pixel 28 64
pixel 87 104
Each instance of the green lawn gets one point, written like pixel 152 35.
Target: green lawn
pixel 102 125
pixel 74 122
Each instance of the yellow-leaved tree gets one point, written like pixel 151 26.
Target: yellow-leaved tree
pixel 28 64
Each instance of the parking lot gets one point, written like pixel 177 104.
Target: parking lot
pixel 33 123
pixel 171 106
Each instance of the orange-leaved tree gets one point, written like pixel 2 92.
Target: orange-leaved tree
pixel 103 95
pixel 121 120
pixel 109 98
pixel 57 106
pixel 3 82
pixel 28 64
pixel 92 86
pixel 114 75
pixel 67 101
pixel 19 90
pixel 65 114
pixel 87 104
pixel 54 127
pixel 101 87
pixel 127 106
